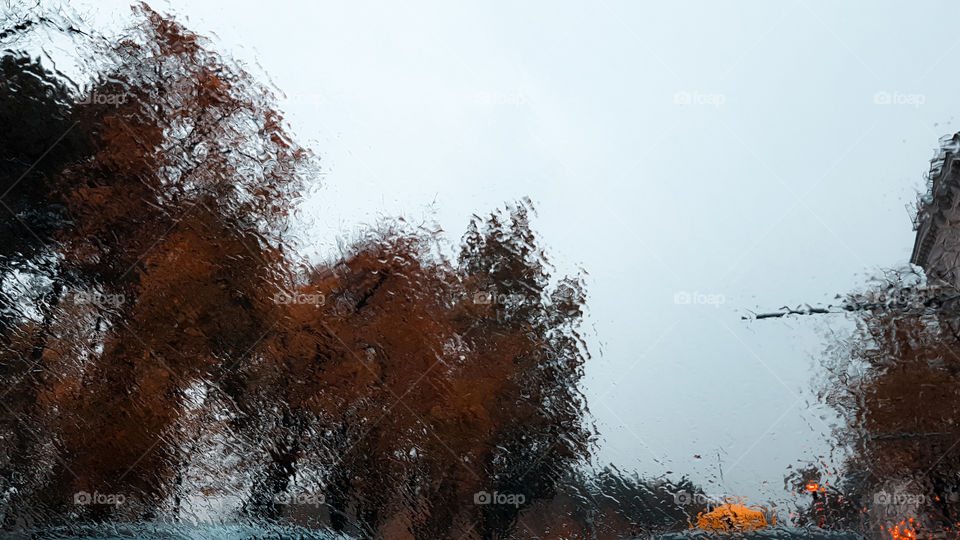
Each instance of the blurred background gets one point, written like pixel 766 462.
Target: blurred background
pixel 699 161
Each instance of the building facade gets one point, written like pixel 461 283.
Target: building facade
pixel 937 245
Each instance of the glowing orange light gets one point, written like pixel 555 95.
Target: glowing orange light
pixel 733 517
pixel 906 534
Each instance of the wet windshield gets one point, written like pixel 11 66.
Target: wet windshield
pixel 622 270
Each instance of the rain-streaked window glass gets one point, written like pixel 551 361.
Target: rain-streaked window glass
pixel 537 270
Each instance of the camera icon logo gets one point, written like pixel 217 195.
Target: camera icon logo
pixel 82 498
pixel 481 497
pixel 483 298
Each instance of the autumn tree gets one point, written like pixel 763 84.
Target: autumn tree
pixel 469 385
pixel 156 312
pixel 36 113
pixel 895 385
pixel 158 272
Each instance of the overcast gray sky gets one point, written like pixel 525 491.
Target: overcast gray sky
pixel 758 153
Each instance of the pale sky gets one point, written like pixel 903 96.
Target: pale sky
pixel 762 152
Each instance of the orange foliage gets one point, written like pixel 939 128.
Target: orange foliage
pixel 402 381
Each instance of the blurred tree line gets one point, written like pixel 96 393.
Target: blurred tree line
pixel 163 346
pixel 895 383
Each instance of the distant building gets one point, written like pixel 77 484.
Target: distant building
pixel 937 246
